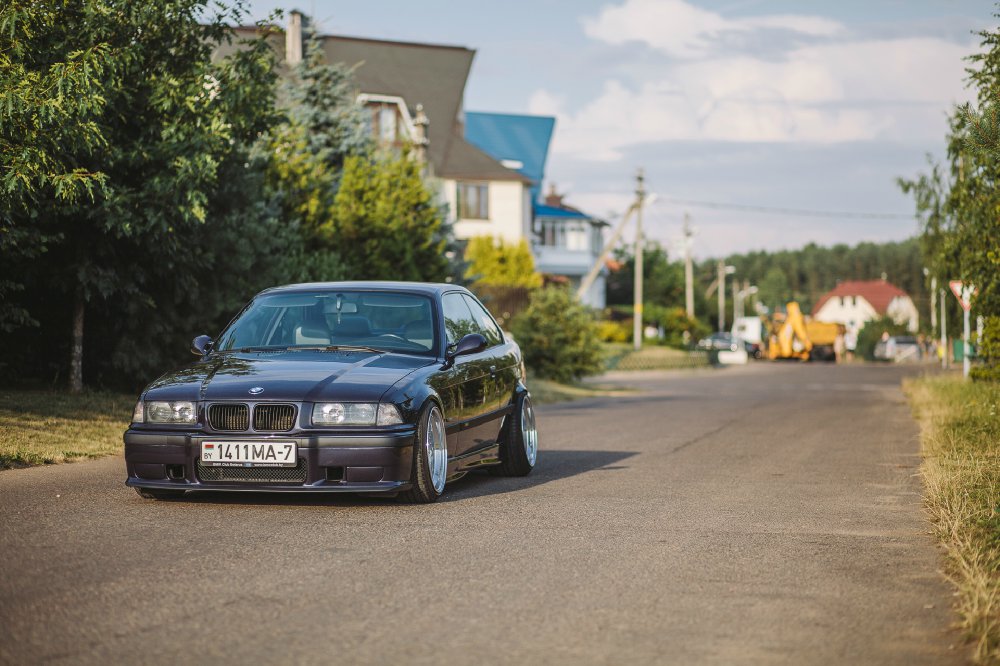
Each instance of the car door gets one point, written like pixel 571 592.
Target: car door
pixel 504 366
pixel 469 382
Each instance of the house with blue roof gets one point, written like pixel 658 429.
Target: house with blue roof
pixel 564 240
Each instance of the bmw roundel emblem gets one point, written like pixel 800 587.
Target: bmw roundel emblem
pixel 256 390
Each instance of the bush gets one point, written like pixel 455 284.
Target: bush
pixel 558 336
pixel 614 331
pixel 869 336
pixel 989 352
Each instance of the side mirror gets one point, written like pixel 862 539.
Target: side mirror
pixel 201 345
pixel 469 344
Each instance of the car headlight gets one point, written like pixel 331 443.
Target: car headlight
pixel 171 412
pixel 355 413
pixel 137 413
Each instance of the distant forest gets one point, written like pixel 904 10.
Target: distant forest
pixel 804 275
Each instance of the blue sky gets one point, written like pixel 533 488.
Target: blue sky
pixel 764 102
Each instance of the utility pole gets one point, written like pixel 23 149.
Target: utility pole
pixel 640 195
pixel 721 280
pixel 933 303
pixel 688 268
pixel 722 295
pixel 944 334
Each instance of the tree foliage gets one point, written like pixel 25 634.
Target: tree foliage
pixel 148 250
pixel 492 262
pixel 558 336
pixel 959 203
pixel 386 224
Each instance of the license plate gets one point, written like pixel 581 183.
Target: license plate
pixel 249 454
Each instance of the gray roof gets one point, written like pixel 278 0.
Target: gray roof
pixel 430 74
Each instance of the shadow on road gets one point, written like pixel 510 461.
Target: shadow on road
pixel 552 466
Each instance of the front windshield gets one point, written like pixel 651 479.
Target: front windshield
pixel 385 321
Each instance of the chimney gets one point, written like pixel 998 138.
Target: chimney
pixel 293 39
pixel 553 199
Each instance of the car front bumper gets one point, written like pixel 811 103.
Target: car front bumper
pixel 351 463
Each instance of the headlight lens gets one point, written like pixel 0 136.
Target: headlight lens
pixel 137 413
pixel 355 413
pixel 388 414
pixel 171 412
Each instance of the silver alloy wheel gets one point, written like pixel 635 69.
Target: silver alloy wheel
pixel 529 433
pixel 436 447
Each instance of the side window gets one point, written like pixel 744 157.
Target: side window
pixel 458 320
pixel 485 322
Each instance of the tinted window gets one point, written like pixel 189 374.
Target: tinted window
pixel 458 320
pixel 487 326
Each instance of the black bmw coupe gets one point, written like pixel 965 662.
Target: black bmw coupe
pixel 371 387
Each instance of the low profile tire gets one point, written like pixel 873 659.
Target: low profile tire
pixel 519 445
pixel 149 493
pixel 430 458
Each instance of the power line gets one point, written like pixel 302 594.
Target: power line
pixel 791 211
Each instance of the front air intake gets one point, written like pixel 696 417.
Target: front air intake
pixel 229 418
pixel 273 418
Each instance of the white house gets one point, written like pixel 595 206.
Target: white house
pixel 853 303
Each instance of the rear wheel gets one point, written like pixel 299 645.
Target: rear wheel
pixel 157 494
pixel 430 458
pixel 519 446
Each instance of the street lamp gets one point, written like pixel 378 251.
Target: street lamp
pixel 724 270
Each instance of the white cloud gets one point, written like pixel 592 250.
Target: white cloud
pixel 686 31
pixel 835 91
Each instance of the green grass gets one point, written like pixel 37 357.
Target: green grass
pixel 960 442
pixel 43 427
pixel 544 391
pixel 651 357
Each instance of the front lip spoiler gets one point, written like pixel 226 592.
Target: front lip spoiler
pixel 331 487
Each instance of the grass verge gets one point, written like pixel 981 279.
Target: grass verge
pixel 42 427
pixel 652 357
pixel 544 391
pixel 960 442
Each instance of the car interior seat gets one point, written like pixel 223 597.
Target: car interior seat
pixel 311 334
pixel 420 332
pixel 347 328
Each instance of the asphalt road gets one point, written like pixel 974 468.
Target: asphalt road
pixel 766 514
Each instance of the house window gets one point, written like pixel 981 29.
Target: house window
pixel 383 122
pixel 387 123
pixel 473 201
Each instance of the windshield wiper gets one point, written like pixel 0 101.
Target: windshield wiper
pixel 353 348
pixel 249 350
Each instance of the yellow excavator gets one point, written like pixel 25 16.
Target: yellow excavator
pixel 792 336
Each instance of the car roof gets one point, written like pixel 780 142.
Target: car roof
pixel 426 288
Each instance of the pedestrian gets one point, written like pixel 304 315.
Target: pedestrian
pixel 850 343
pixel 839 347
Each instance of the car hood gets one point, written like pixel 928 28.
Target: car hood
pixel 289 375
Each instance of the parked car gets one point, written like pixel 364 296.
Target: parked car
pixel 728 342
pixel 719 342
pixel 898 348
pixel 373 387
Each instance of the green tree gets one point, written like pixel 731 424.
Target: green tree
pixel 387 222
pixel 958 204
pixel 773 289
pixel 663 280
pixel 492 262
pixel 159 157
pixel 558 336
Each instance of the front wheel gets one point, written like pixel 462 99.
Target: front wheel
pixel 519 446
pixel 430 458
